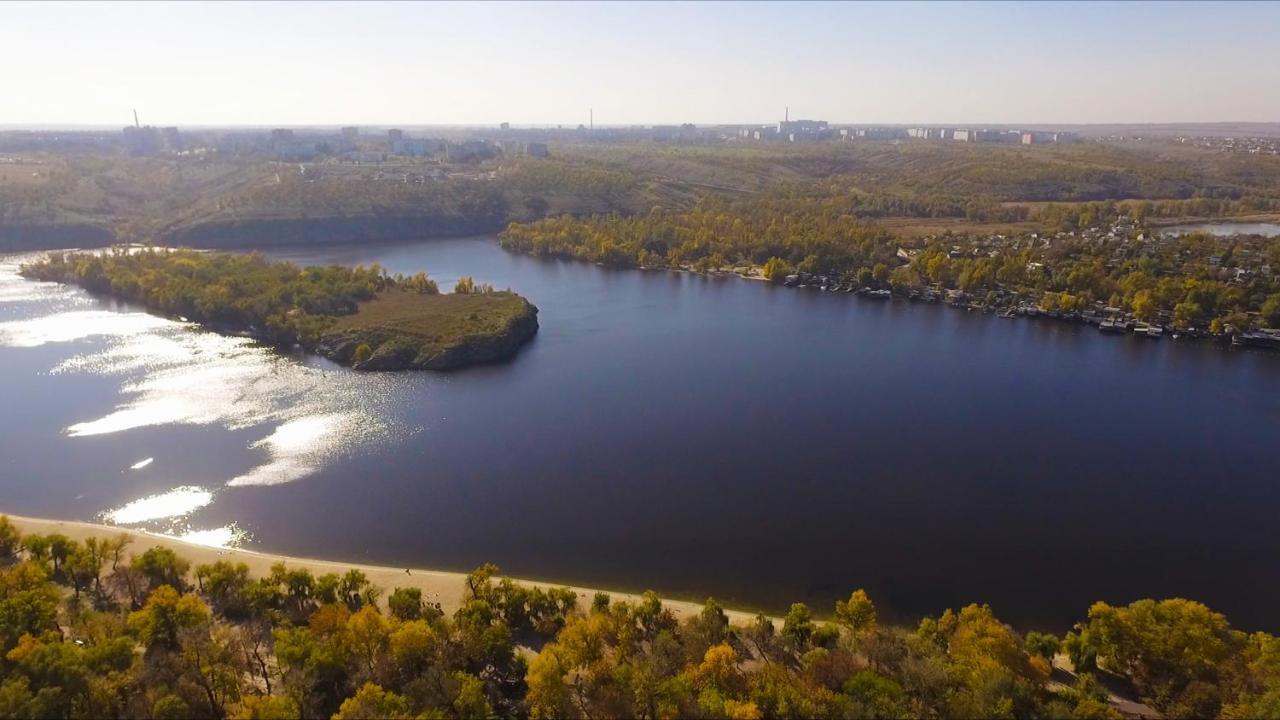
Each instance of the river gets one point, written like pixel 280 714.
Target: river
pixel 698 436
pixel 1225 229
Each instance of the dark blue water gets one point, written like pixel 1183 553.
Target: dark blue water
pixel 705 436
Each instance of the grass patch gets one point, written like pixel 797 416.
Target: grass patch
pixel 406 329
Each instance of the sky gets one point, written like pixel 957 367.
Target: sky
pixel 330 63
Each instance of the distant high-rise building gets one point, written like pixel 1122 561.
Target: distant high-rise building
pixel 350 138
pixel 395 135
pixel 142 140
pixel 415 147
pixel 797 129
pixel 172 140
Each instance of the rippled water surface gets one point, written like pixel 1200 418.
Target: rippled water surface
pixel 115 380
pixel 694 435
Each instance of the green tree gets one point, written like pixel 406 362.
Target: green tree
pixel 170 707
pixel 1043 644
pixel 371 702
pixel 10 541
pixel 797 626
pixel 776 270
pixel 1174 651
pixel 165 614
pixel 37 547
pixel 28 603
pixel 162 566
pixel 1186 314
pixel 226 585
pixel 1270 311
pixel 269 707
pixel 405 604
pixel 472 702
pixel 60 548
pixel 1144 306
pixel 858 613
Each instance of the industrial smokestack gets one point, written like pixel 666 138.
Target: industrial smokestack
pixel 135 118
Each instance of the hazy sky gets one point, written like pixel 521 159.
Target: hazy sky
pixel 406 63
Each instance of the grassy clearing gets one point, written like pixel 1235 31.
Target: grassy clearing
pixel 436 319
pixel 402 329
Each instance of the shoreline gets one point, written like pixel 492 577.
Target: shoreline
pixel 1251 218
pixel 398 325
pixel 439 586
pixel 1257 339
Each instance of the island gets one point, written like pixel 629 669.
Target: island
pixel 361 317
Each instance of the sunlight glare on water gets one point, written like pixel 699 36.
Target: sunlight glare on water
pixel 174 373
pixel 227 536
pixel 295 447
pixel 76 325
pixel 175 503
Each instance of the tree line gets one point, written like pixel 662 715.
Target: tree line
pixel 89 629
pixel 279 301
pixel 1197 280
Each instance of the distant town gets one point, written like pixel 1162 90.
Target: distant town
pixel 373 144
pixel 1248 145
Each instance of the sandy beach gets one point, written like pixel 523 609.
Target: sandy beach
pixel 437 586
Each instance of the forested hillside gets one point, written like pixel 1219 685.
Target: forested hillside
pixel 100 629
pixel 216 199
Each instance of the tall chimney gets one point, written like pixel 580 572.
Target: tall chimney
pixel 135 118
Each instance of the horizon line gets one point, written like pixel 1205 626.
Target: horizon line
pixel 574 126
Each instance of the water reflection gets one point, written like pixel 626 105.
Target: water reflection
pixel 15 292
pixel 1225 229
pixel 297 414
pixel 69 326
pixel 298 446
pixel 177 502
pixel 227 536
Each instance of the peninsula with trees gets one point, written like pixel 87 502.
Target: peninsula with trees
pixel 361 317
pixel 1071 230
